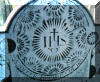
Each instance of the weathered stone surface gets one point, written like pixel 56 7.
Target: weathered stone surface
pixel 97 13
pixel 50 39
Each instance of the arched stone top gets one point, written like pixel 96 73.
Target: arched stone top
pixel 50 39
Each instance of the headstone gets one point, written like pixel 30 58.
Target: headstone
pixel 97 13
pixel 2 56
pixel 5 9
pixel 50 39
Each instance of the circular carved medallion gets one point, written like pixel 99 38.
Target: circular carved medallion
pixel 51 41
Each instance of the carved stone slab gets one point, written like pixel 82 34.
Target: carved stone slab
pixel 50 40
